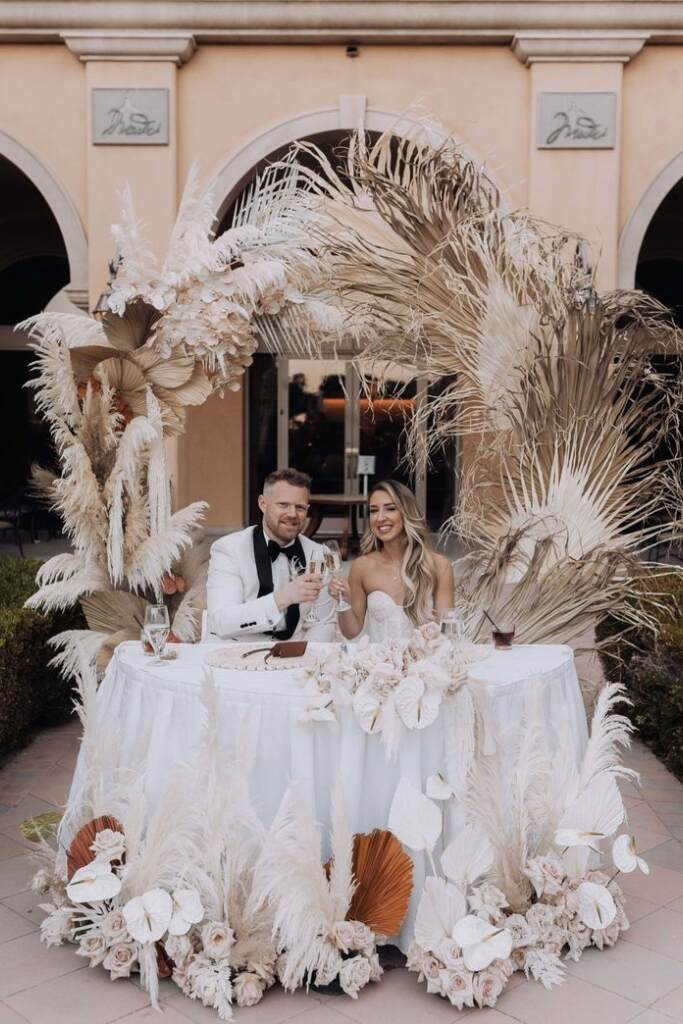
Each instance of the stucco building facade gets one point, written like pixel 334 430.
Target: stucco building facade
pixel 238 81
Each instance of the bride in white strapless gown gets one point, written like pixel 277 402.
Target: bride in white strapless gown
pixel 384 619
pixel 399 581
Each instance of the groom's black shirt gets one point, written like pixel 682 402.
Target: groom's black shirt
pixel 264 556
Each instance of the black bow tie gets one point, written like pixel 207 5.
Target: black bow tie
pixel 275 550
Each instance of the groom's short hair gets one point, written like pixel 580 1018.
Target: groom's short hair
pixel 288 476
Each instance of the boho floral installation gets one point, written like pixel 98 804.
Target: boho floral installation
pixel 524 883
pixel 570 423
pixel 394 685
pixel 114 387
pixel 328 918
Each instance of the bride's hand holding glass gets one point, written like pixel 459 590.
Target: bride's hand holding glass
pixel 337 587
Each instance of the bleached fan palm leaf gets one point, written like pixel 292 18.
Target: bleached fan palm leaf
pixel 599 807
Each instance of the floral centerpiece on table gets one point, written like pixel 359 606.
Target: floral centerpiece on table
pixel 391 686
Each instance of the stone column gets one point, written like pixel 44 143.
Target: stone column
pixel 132 60
pixel 578 188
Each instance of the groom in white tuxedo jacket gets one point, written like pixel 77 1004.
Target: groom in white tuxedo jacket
pixel 250 589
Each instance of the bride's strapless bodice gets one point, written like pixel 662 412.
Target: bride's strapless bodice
pixel 386 620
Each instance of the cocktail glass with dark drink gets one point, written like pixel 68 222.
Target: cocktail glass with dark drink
pixel 503 636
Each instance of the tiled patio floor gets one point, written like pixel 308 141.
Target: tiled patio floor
pixel 640 979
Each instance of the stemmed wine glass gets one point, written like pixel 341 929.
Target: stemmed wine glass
pixel 334 562
pixel 452 625
pixel 157 628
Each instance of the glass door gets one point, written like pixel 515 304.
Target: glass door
pixel 319 415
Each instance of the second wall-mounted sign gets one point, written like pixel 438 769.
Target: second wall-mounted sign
pixel 130 117
pixel 576 120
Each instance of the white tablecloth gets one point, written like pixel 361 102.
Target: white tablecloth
pixel 158 715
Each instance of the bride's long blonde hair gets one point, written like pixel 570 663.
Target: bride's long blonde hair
pixel 418 569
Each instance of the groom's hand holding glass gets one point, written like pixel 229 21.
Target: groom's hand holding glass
pixel 304 589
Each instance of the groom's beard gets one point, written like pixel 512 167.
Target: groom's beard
pixel 283 530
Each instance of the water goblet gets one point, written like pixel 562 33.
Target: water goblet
pixel 452 625
pixel 157 628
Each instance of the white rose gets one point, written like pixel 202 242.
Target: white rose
pixel 179 949
pixel 546 874
pixel 93 945
pixel 363 938
pixel 109 845
pixel 217 939
pixel 120 960
pixel 327 972
pixel 487 898
pixel 376 970
pixel 457 986
pixel 248 988
pixel 41 882
pixel 540 916
pixel 114 927
pixel 354 975
pixel 523 934
pixel 343 935
pixel 605 936
pixel 415 957
pixel 488 985
pixel 450 953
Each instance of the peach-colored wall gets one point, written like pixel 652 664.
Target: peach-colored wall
pixel 212 459
pixel 227 95
pixel 42 106
pixel 651 121
pixel 578 188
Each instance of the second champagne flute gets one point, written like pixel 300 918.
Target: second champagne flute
pixel 316 567
pixel 334 562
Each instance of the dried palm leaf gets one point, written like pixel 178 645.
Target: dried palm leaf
pixel 79 853
pixel 384 879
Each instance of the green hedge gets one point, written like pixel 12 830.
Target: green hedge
pixel 31 692
pixel 650 665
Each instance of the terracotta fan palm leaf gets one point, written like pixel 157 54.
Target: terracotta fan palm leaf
pixel 384 876
pixel 80 853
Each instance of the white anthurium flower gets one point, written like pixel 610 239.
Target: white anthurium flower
pixel 367 708
pixel 417 705
pixel 625 857
pixel 148 916
pixel 187 910
pixel 413 818
pixel 596 907
pixel 438 788
pixel 568 837
pixel 93 882
pixel 481 942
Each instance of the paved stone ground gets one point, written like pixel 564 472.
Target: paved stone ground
pixel 640 979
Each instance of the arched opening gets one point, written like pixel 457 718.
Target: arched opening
pixel 34 267
pixel 330 417
pixel 659 269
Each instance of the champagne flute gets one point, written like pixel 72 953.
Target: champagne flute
pixel 316 567
pixel 157 628
pixel 334 562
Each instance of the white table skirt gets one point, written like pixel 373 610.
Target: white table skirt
pixel 157 712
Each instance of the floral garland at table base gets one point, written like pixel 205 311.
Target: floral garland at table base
pixel 203 893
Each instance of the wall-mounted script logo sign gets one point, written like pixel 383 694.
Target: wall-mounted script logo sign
pixel 576 120
pixel 130 117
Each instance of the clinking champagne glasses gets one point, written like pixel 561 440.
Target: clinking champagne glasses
pixel 334 562
pixel 157 627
